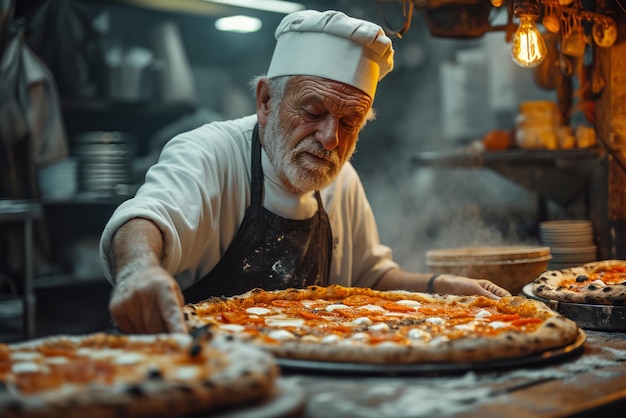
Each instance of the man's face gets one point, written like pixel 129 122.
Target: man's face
pixel 313 131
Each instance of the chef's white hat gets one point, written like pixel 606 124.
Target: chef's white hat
pixel 332 45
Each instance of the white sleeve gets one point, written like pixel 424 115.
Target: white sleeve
pixel 183 195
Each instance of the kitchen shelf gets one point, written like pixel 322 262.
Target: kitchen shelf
pixel 124 107
pixel 140 120
pixel 84 198
pixel 64 280
pixel 559 175
pixel 93 114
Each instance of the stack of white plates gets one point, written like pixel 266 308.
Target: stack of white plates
pixel 104 160
pixel 570 241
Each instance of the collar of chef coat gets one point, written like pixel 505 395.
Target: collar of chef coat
pixel 279 200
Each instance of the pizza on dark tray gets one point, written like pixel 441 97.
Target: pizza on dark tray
pixel 362 325
pixel 598 283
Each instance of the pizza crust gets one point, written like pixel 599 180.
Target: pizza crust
pixel 549 285
pixel 553 334
pixel 555 331
pixel 232 373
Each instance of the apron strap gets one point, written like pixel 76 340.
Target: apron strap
pixel 256 184
pixel 329 239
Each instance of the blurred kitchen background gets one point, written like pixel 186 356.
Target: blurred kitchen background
pixel 468 149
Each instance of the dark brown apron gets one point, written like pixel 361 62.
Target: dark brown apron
pixel 269 251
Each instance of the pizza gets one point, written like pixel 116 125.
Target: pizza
pixel 362 325
pixel 105 375
pixel 601 282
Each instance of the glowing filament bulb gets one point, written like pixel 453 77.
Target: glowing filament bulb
pixel 529 48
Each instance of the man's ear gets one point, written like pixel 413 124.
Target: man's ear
pixel 262 101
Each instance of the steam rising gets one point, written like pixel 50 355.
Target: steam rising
pixel 429 208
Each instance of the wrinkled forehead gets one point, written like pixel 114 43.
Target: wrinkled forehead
pixel 330 93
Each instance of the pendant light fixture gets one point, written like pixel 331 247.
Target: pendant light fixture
pixel 529 48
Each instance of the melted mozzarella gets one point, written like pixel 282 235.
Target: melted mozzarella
pixel 372 308
pixel 183 340
pixel 281 334
pixel 379 327
pixel 397 314
pixel 497 324
pixel 331 338
pixel 363 320
pixel 310 338
pixel 84 351
pixel 412 303
pixel 286 322
pixel 483 313
pixel 128 358
pixel 25 355
pixel 470 326
pixel 331 308
pixel 418 334
pixel 57 360
pixel 180 338
pixel 26 367
pixel 232 327
pixel 439 339
pixel 98 354
pixel 185 372
pixel 360 336
pixel 598 283
pixel 387 344
pixel 307 303
pixel 435 320
pixel 257 310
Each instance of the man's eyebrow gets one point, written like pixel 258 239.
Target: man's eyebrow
pixel 313 99
pixel 357 111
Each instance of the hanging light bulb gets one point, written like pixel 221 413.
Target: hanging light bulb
pixel 529 48
pixel 496 3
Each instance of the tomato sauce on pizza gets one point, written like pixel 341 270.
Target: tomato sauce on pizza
pixel 364 325
pixel 105 375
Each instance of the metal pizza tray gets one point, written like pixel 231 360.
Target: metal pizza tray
pixel 432 369
pixel 587 316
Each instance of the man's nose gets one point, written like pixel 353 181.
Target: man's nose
pixel 328 133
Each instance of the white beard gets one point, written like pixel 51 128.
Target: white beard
pixel 297 167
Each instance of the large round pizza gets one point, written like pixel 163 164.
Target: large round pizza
pixel 362 325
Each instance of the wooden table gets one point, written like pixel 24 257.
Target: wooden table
pixel 590 382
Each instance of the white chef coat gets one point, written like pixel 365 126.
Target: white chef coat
pixel 199 190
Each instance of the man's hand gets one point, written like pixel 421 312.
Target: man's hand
pixel 458 285
pixel 147 300
pixel 444 283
